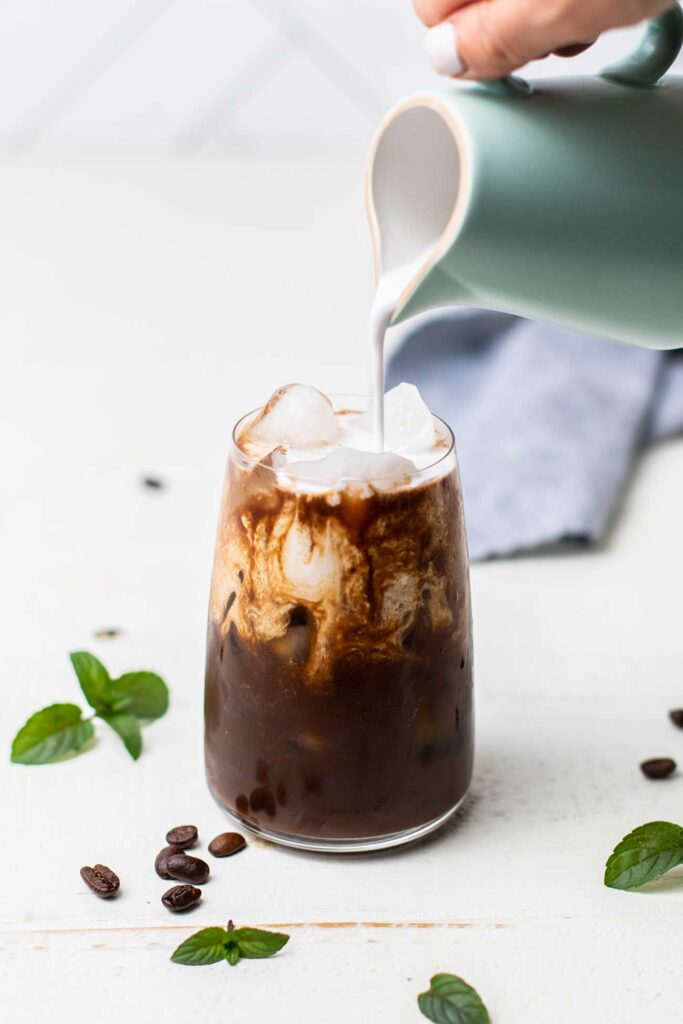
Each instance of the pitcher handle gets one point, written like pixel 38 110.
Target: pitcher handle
pixel 652 58
pixel 655 53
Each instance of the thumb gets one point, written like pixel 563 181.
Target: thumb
pixel 487 39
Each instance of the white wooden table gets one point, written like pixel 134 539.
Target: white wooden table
pixel 143 307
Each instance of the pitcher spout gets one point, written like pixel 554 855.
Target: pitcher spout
pixel 417 191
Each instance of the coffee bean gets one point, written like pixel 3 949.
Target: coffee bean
pixel 181 897
pixel 162 857
pixel 101 880
pixel 153 482
pixel 261 799
pixel 226 844
pixel 658 767
pixel 677 717
pixel 187 869
pixel 182 836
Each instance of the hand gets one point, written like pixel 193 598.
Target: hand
pixel 485 39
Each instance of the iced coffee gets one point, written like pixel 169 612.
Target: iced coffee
pixel 338 702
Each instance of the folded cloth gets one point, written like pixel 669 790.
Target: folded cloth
pixel 548 422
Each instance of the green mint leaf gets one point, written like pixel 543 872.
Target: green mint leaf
pixel 144 694
pixel 204 947
pixel 93 677
pixel 128 728
pixel 644 854
pixel 450 1000
pixel 50 734
pixel 254 943
pixel 232 952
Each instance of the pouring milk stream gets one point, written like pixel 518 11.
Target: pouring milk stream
pixel 391 286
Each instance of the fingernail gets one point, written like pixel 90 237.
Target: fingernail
pixel 442 49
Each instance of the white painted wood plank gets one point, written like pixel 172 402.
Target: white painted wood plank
pixel 298 102
pixel 564 972
pixel 43 43
pixel 168 75
pixel 380 42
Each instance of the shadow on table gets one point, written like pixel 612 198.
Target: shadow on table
pixel 523 777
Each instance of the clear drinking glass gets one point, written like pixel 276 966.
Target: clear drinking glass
pixel 338 701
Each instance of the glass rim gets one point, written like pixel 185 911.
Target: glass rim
pixel 299 478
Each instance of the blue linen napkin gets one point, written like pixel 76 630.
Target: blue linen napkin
pixel 548 422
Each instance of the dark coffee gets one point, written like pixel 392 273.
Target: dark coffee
pixel 338 702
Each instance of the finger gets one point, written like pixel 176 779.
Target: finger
pixel 433 12
pixel 573 49
pixel 490 38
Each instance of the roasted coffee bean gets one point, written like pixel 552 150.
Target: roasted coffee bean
pixel 181 897
pixel 182 836
pixel 153 482
pixel 676 717
pixel 184 868
pixel 262 799
pixel 658 767
pixel 101 880
pixel 162 857
pixel 226 844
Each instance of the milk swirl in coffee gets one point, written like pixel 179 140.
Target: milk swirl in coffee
pixel 339 666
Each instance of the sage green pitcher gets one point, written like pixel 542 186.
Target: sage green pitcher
pixel 561 202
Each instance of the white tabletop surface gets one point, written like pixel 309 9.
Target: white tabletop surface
pixel 143 306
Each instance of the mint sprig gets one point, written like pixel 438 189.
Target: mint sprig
pixel 93 677
pixel 51 734
pixel 60 729
pixel 210 945
pixel 144 694
pixel 450 1000
pixel 127 727
pixel 644 854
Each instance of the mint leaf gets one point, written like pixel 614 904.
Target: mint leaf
pixel 128 728
pixel 644 854
pixel 232 952
pixel 204 947
pixel 93 677
pixel 144 694
pixel 254 944
pixel 213 944
pixel 450 1000
pixel 50 734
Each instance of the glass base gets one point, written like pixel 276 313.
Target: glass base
pixel 366 844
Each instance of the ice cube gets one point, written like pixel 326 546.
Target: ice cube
pixel 408 423
pixel 296 416
pixel 348 465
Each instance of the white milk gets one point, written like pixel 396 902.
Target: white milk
pixel 391 286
